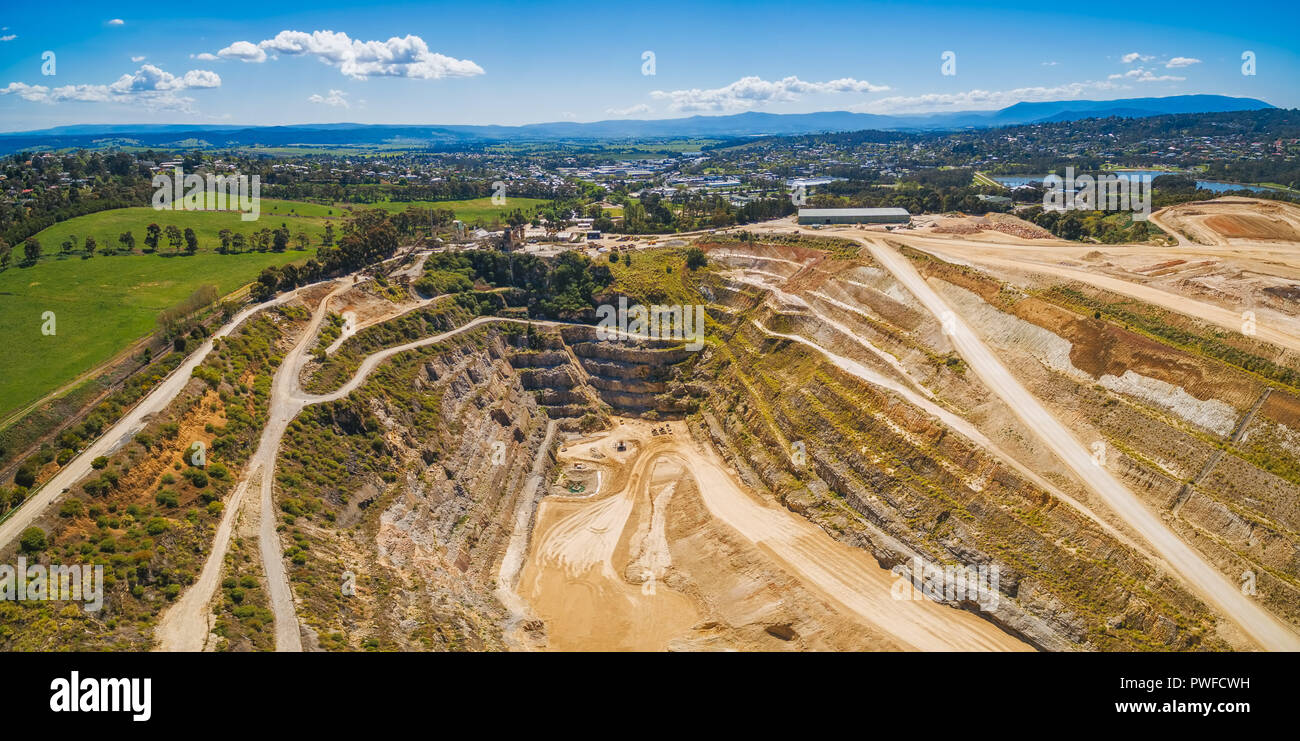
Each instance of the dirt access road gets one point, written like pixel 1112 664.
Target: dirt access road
pixel 1283 336
pixel 1205 580
pixel 121 432
pixel 186 626
pixel 1042 256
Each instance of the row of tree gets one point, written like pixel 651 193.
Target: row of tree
pixel 689 211
pixel 31 252
pixel 274 240
pixel 937 195
pixel 368 237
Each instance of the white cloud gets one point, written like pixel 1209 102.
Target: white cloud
pixel 152 79
pixel 205 56
pixel 117 22
pixel 1142 74
pixel 748 92
pixel 137 60
pixel 629 111
pixel 977 100
pixel 43 94
pixel 336 98
pixel 1132 57
pixel 1050 64
pixel 408 56
pixel 244 51
pixel 9 37
pixel 1181 62
pixel 149 86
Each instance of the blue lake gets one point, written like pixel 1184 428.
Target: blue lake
pixel 1210 185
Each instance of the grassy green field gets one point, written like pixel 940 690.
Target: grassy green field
pixel 473 211
pixel 101 306
pixel 105 303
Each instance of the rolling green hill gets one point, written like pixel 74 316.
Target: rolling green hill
pixel 105 226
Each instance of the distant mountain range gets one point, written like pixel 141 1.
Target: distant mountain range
pixel 737 125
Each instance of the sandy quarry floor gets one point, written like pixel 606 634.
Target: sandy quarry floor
pixel 674 553
pixel 1233 221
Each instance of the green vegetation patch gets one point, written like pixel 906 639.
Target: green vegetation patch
pixel 100 307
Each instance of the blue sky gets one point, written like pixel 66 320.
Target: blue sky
pixel 512 63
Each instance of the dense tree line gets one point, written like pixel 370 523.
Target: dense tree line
pixel 453 189
pixel 415 219
pixel 1100 226
pixel 912 195
pixel 689 211
pixel 16 229
pixel 43 195
pixel 564 288
pixel 368 237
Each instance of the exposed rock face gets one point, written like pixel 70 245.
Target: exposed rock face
pixel 1175 401
pixel 878 473
pixel 462 427
pixel 633 375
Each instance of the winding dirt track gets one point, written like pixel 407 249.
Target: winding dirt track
pixel 794 542
pixel 847 575
pixel 924 400
pixel 185 626
pixel 134 421
pixel 964 428
pixel 1157 218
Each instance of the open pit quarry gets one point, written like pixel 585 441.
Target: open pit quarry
pixel 1112 430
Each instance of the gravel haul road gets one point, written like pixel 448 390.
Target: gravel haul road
pixel 1204 579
